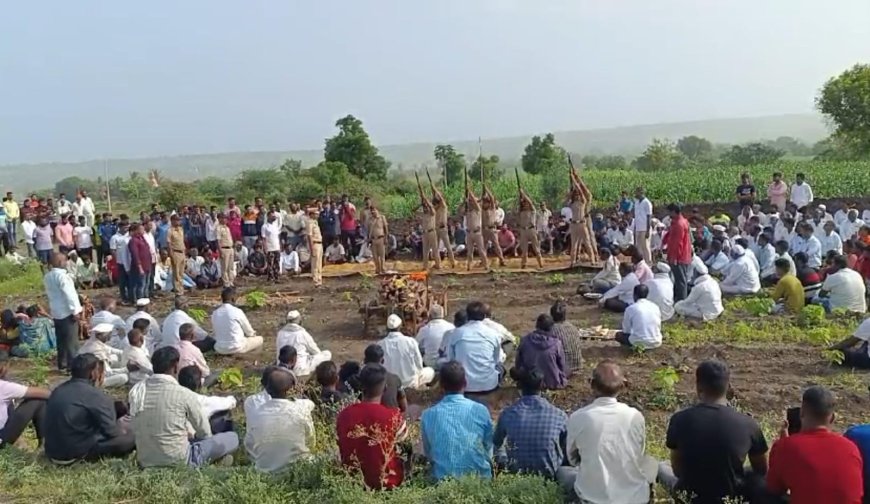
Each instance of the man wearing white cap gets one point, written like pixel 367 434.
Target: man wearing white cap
pixel 106 315
pixel 116 375
pixel 233 333
pixel 308 354
pixel 153 336
pixel 430 335
pixel 402 356
pixel 661 290
pixel 742 276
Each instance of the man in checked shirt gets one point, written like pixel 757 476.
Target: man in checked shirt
pixel 570 335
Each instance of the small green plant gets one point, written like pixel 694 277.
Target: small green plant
pixel 664 381
pixel 366 282
pixel 811 316
pixel 231 378
pixel 39 368
pixel 255 299
pixel 833 357
pixel 347 296
pixel 555 279
pixel 197 314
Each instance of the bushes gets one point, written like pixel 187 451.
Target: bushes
pixel 19 279
pixel 24 479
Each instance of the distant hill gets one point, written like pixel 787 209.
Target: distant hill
pixel 628 140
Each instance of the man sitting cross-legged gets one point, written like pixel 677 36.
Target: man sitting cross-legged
pixel 308 354
pixel 704 301
pixel 31 408
pixel 530 434
pixel 402 356
pixel 162 412
pixel 81 421
pixel 368 433
pixel 280 431
pixel 642 322
pixel 710 442
pixel 605 446
pixel 233 333
pixel 217 409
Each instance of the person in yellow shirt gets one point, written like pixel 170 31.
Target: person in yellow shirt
pixel 788 293
pixel 13 217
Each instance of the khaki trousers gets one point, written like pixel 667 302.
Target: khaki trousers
pixel 490 236
pixel 430 245
pixel 177 259
pixel 317 263
pixel 444 237
pixel 474 240
pixel 379 255
pixel 228 273
pixel 530 237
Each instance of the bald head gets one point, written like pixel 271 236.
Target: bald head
pixel 607 379
pixel 278 382
pixel 58 260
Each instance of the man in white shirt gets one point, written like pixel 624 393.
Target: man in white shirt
pixel 642 224
pixel 116 372
pixel 295 225
pixel 279 431
pixel 661 290
pixel 335 253
pixel 605 447
pixel 233 333
pixel 718 261
pixel 289 262
pixel 106 315
pixel 118 245
pixel 608 277
pixel 807 243
pixel 620 236
pixel 193 265
pixel 850 227
pixel 801 192
pixel 642 322
pixel 153 336
pixel 178 317
pixel 271 233
pixel 831 240
pixel 742 276
pixel 402 356
pixel 856 357
pixel 620 297
pixel 704 301
pixel 28 227
pixel 766 257
pixel 135 359
pixel 84 238
pixel 65 309
pixel 87 208
pixel 308 354
pixel 844 288
pixel 429 336
pixel 241 259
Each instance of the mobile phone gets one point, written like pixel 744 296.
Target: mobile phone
pixel 793 415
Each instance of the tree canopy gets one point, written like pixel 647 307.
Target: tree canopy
pixel 452 162
pixel 541 154
pixel 486 165
pixel 353 147
pixel 752 154
pixel 660 154
pixel 695 147
pixel 845 100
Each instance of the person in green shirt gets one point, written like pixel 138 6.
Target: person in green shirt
pixel 788 293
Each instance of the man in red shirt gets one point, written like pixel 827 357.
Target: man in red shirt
pixel 368 433
pixel 347 223
pixel 678 244
pixel 140 260
pixel 507 240
pixel 816 465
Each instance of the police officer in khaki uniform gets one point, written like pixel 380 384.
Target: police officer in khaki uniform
pixel 315 246
pixel 378 233
pixel 440 205
pixel 528 234
pixel 474 234
pixel 177 256
pixel 490 224
pixel 578 228
pixel 228 255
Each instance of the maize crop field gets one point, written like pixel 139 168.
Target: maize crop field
pixel 701 185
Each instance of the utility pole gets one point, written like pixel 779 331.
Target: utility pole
pixel 108 188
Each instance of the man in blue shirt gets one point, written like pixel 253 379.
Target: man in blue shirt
pixel 457 432
pixel 107 230
pixel 860 435
pixel 535 430
pixel 162 237
pixel 477 347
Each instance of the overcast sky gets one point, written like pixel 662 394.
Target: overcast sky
pixel 91 79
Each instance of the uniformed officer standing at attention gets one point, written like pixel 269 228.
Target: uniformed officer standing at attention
pixel 378 233
pixel 315 246
pixel 177 253
pixel 228 255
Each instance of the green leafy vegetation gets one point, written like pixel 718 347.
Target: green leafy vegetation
pixel 664 384
pixel 19 279
pixel 833 357
pixel 198 314
pixel 231 378
pixel 255 299
pixel 555 279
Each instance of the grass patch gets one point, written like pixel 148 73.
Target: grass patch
pixel 19 279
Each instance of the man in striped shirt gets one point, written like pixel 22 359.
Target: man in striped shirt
pixel 163 411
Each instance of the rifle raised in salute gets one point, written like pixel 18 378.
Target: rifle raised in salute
pixel 424 201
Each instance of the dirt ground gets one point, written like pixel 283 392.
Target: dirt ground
pixel 766 379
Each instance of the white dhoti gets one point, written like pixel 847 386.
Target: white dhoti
pixel 423 378
pixel 313 361
pixel 115 377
